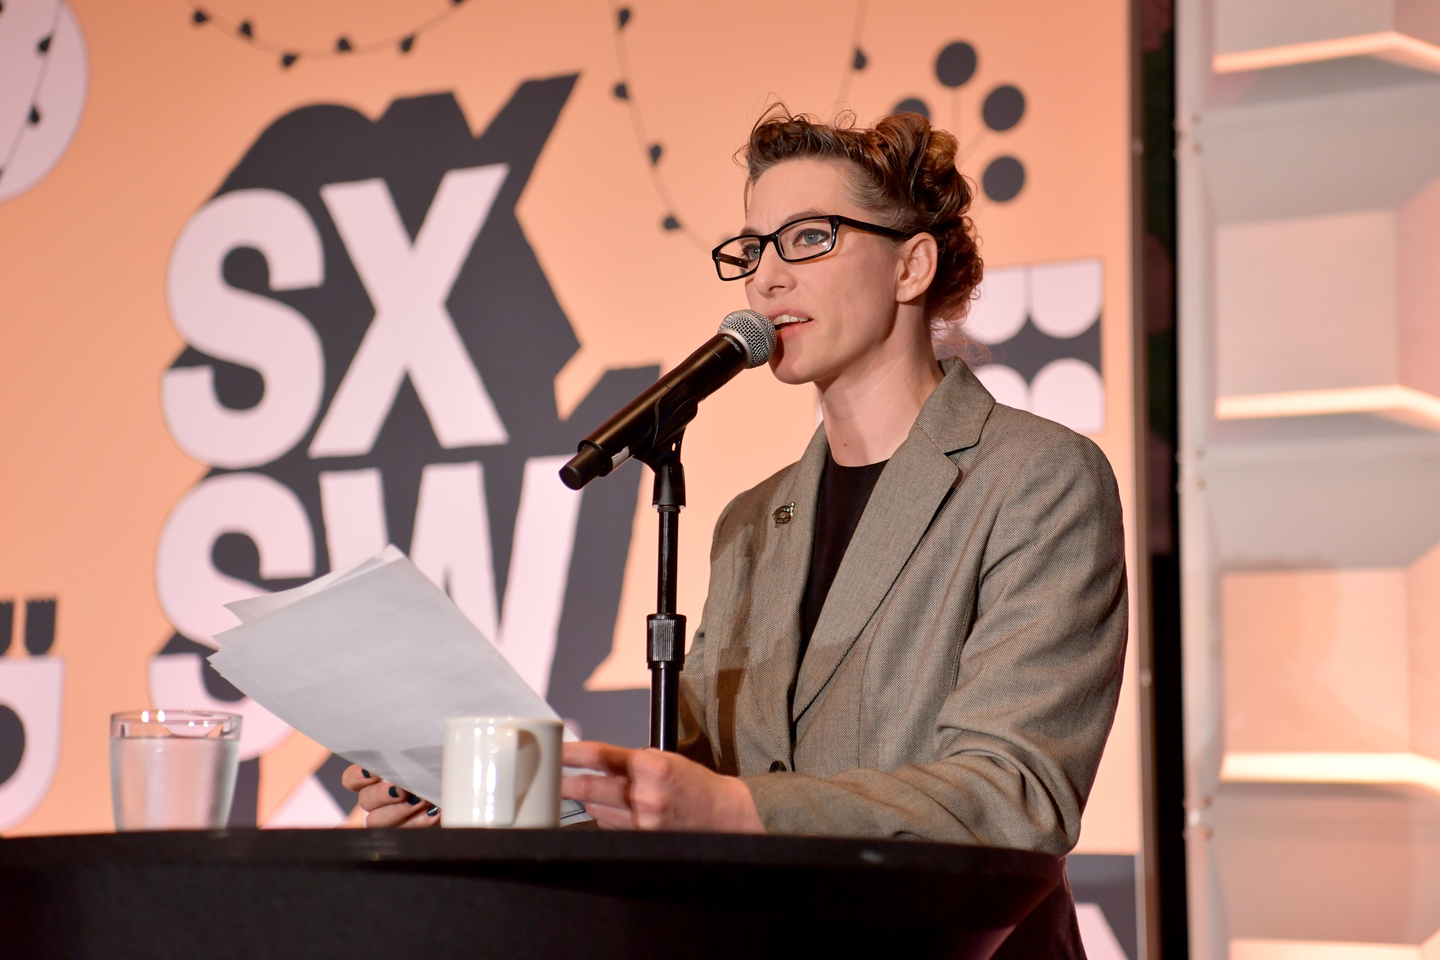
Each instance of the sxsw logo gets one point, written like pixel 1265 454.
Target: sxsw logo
pixel 372 348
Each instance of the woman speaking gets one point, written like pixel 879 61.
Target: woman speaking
pixel 917 630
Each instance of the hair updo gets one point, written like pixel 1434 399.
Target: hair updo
pixel 904 170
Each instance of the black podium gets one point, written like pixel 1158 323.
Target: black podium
pixel 429 894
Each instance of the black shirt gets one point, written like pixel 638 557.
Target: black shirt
pixel 844 491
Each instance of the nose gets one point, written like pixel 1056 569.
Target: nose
pixel 772 274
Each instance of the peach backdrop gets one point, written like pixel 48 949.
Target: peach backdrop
pixel 90 469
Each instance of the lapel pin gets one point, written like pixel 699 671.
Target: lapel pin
pixel 785 514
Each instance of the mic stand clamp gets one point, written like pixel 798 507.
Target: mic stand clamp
pixel 666 628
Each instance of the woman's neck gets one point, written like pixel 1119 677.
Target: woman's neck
pixel 869 412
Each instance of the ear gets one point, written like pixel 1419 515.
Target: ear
pixel 919 259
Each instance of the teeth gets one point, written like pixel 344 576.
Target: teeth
pixel 785 318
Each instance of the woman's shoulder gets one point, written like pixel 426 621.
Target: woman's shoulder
pixel 965 420
pixel 1031 450
pixel 1008 427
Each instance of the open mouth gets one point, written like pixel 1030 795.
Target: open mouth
pixel 788 320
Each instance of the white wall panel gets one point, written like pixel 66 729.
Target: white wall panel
pixel 1307 303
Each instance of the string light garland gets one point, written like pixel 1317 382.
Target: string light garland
pixel 858 60
pixel 955 66
pixel 653 150
pixel 32 117
pixel 288 54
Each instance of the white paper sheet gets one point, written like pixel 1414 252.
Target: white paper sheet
pixel 266 603
pixel 370 662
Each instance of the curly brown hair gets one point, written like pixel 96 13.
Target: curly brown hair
pixel 904 171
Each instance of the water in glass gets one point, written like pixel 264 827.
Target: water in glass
pixel 173 770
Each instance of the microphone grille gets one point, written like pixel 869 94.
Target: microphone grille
pixel 755 332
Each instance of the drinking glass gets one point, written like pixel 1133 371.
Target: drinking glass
pixel 173 769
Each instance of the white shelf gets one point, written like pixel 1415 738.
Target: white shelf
pixel 1387 45
pixel 1393 401
pixel 1322 153
pixel 1375 768
pixel 1265 34
pixel 1309 227
pixel 1322 312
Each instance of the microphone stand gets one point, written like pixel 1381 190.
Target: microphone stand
pixel 650 428
pixel 666 628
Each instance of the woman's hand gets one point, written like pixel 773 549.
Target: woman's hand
pixel 653 790
pixel 385 804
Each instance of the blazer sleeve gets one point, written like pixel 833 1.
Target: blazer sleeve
pixel 694 741
pixel 1018 741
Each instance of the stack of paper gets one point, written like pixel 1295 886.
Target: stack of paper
pixel 370 661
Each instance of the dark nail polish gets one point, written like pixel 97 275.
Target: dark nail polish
pixel 365 773
pixel 394 793
pixel 412 799
pixel 432 811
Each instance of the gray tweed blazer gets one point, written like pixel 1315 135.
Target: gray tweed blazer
pixel 963 676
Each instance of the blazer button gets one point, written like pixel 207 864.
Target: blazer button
pixel 777 767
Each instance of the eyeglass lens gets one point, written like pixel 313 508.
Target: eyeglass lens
pixel 797 241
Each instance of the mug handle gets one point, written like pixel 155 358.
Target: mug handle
pixel 505 750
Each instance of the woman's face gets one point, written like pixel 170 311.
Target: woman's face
pixel 837 312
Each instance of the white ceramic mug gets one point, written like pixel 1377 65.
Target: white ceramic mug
pixel 501 772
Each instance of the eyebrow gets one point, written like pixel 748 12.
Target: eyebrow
pixel 749 231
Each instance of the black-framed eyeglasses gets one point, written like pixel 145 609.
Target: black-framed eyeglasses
pixel 796 241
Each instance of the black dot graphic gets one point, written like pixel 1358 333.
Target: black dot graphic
pixel 199 17
pixel 288 60
pixel 623 15
pixel 407 44
pixel 1003 179
pixel 860 61
pixel 246 29
pixel 622 92
pixel 1003 108
pixel 44 45
pixel 655 151
pixel 913 105
pixel 34 115
pixel 342 45
pixel 12 743
pixel 956 64
pixel 670 223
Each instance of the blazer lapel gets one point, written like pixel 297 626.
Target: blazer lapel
pixel 910 492
pixel 779 577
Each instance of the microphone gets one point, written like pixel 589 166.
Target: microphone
pixel 652 420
